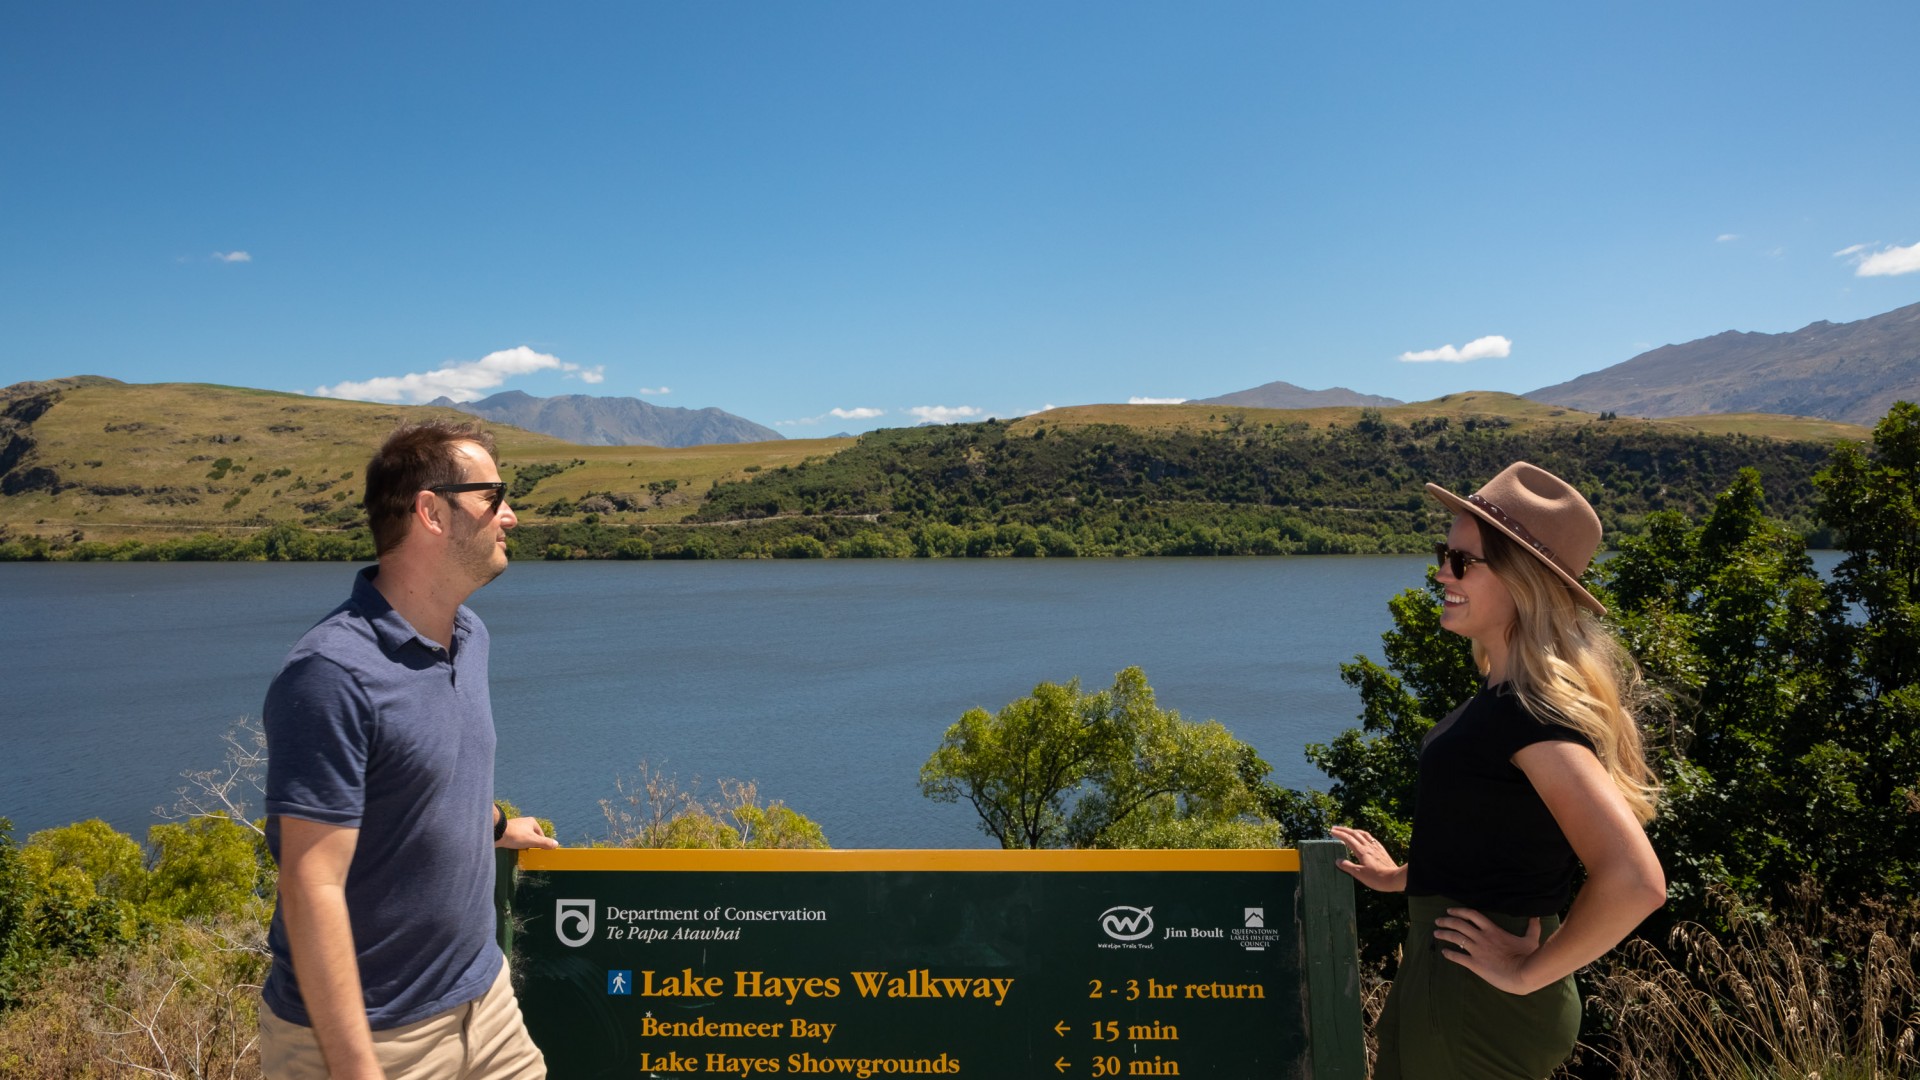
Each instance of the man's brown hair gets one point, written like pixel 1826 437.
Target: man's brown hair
pixel 414 458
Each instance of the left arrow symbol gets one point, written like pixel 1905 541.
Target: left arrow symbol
pixel 1061 1065
pixel 1061 1029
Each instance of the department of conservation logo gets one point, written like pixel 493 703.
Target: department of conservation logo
pixel 1123 923
pixel 573 922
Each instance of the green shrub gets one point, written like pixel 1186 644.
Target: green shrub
pixel 203 868
pixel 800 547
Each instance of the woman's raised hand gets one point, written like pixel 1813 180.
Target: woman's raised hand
pixel 1368 862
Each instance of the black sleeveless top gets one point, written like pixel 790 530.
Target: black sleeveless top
pixel 1481 834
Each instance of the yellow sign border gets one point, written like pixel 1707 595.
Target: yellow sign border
pixel 1271 860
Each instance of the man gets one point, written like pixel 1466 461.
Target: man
pixel 380 795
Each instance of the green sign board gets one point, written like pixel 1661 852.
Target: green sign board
pixel 1000 964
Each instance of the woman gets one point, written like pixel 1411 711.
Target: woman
pixel 1542 767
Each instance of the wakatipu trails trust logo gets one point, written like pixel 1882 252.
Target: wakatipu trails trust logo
pixel 1123 923
pixel 573 922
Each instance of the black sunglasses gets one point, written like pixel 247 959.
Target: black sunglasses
pixel 1460 560
pixel 498 487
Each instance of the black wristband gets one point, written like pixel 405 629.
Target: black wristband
pixel 500 827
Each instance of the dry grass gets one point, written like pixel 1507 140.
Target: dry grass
pixel 183 1005
pixel 1769 426
pixel 1517 413
pixel 628 470
pixel 1812 995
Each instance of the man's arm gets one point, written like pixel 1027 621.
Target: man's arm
pixel 313 903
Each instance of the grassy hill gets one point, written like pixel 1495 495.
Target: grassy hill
pixel 1200 480
pixel 120 461
pixel 1485 407
pixel 104 462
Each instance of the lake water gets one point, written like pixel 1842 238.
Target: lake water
pixel 827 682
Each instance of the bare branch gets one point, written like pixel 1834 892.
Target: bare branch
pixel 228 790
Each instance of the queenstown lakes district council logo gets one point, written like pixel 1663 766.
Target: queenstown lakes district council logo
pixel 1129 927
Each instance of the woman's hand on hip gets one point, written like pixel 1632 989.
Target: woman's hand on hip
pixel 1487 950
pixel 1368 862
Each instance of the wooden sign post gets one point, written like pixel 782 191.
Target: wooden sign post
pixel 989 964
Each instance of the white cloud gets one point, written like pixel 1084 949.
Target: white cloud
pixel 1035 412
pixel 654 391
pixel 461 380
pixel 1493 346
pixel 857 413
pixel 232 256
pixel 943 414
pixel 595 374
pixel 1887 262
pixel 1846 251
pixel 1156 401
pixel 1726 238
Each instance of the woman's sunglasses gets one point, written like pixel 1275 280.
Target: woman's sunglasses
pixel 1454 557
pixel 498 487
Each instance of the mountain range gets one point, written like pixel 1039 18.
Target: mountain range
pixel 613 421
pixel 1285 395
pixel 1851 372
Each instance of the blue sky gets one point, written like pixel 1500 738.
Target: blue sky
pixel 828 215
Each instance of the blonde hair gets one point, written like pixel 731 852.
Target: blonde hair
pixel 1567 668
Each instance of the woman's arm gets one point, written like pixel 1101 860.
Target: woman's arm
pixel 1368 861
pixel 1624 881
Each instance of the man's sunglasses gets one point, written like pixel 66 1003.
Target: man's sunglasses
pixel 1459 560
pixel 498 487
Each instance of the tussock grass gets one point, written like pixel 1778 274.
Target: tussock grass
pixel 1812 995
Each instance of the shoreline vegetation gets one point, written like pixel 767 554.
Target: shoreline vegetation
pixel 218 473
pixel 1787 738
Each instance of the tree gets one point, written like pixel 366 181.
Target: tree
pixel 1731 626
pixel 107 861
pixel 1784 714
pixel 1063 768
pixel 1868 499
pixel 87 881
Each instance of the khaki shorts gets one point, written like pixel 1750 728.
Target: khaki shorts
pixel 483 1039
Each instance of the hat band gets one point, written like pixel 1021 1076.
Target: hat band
pixel 1520 531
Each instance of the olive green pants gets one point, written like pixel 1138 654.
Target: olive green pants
pixel 1443 1022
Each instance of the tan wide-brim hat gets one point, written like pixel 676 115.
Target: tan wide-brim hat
pixel 1544 513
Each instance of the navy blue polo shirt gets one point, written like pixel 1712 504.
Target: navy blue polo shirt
pixel 371 726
